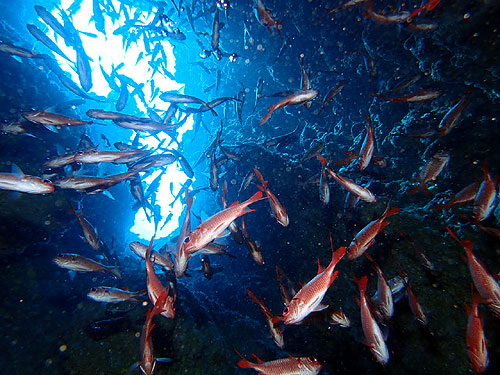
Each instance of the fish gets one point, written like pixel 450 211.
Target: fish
pixel 361 192
pixel 431 171
pixel 265 18
pixel 417 97
pixel 154 161
pixel 467 194
pixel 53 23
pixel 284 366
pixel 324 188
pixel 383 297
pixel 279 210
pixel 425 260
pixel 398 18
pixel 137 192
pixel 367 148
pixel 92 185
pixel 89 233
pixel 115 157
pixel 373 335
pixel 148 361
pixel 415 306
pixel 44 39
pixel 97 17
pixel 181 255
pixel 174 97
pixel 282 140
pixel 156 288
pixel 183 162
pixel 299 97
pixel 450 119
pixel 309 297
pixel 78 263
pixel 247 180
pixel 486 285
pixel 365 238
pixel 477 349
pixel 18 51
pixel 348 4
pixel 214 172
pixel 112 295
pixel 158 259
pixel 17 181
pixel 339 318
pixel 276 331
pixel 258 92
pixel 486 197
pixel 52 119
pixel 332 93
pixel 215 32
pixel 214 226
pixel 252 246
pixel 315 149
pixel 83 69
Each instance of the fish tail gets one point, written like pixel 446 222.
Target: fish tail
pixel 261 179
pixel 391 211
pixel 115 271
pixel 361 284
pixel 420 187
pixel 245 363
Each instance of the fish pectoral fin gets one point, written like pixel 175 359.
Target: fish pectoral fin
pixel 164 360
pixel 321 307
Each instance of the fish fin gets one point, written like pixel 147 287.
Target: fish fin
pixel 71 274
pixel 320 268
pixel 361 283
pixel 276 319
pixel 108 194
pixel 13 195
pixel 245 363
pixel 115 271
pixel 51 128
pixel 357 301
pixel 391 211
pixel 332 279
pixel 132 367
pixel 257 358
pixel 164 360
pixel 15 170
pixel 320 307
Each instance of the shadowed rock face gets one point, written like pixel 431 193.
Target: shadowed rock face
pixel 51 325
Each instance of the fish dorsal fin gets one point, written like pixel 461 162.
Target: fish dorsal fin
pixel 257 358
pixel 16 170
pixel 234 204
pixel 320 268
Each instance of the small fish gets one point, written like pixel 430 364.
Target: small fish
pixel 52 119
pixel 78 263
pixel 265 18
pixel 17 51
pixel 417 97
pixel 334 91
pixel 415 306
pixel 276 331
pixel 450 119
pixel 92 185
pixel 486 197
pixel 383 297
pixel 140 250
pixel 113 295
pixel 89 232
pixel 398 18
pixel 431 171
pixel 299 97
pixel 285 366
pixel 252 246
pixel 467 194
pixel 362 192
pixel 366 152
pixel 324 188
pixel 315 149
pixel 206 267
pixel 44 39
pixel 214 172
pixel 279 210
pixel 236 233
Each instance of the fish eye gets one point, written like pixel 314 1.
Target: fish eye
pixel 93 289
pixel 286 310
pixel 187 239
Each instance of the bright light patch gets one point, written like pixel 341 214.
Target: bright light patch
pixel 109 52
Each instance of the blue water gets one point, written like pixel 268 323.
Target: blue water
pixel 50 326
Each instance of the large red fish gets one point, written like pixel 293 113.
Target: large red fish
pixel 477 349
pixel 309 298
pixel 373 335
pixel 486 285
pixel 365 238
pixel 214 226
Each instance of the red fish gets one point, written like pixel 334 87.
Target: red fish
pixel 253 246
pixel 373 335
pixel 148 361
pixel 214 226
pixel 397 18
pixel 431 171
pixel 477 349
pixel 276 331
pixel 365 238
pixel 415 307
pixel 366 152
pixel 278 209
pixel 383 297
pixel 485 200
pixel 363 193
pixel 284 366
pixel 301 96
pixel 486 285
pixel 309 298
pixel 156 288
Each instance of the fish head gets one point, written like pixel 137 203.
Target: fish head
pixel 65 259
pixel 97 294
pixel 311 364
pixel 148 367
pixel 292 313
